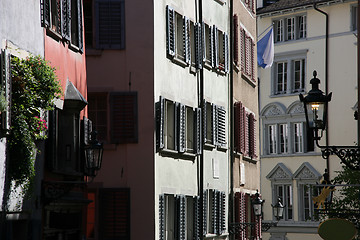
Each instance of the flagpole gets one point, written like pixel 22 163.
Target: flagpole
pixel 264 31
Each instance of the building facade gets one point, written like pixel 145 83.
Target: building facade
pixel 291 165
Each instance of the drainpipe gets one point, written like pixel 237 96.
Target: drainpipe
pixel 326 77
pixel 231 137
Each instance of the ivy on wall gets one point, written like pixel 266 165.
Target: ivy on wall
pixel 34 88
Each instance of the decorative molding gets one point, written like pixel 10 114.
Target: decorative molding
pixel 307 172
pixel 280 172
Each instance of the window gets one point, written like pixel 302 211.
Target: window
pixel 247 50
pixel 214 124
pixel 250 5
pixel 104 24
pixel 284 192
pixel 306 194
pixel 290 28
pixel 245 137
pixel 354 18
pixel 216 211
pixel 285 130
pixel 178 127
pixel 115 116
pixel 64 17
pixel 179 216
pixel 289 73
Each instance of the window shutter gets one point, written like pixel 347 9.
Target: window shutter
pixel 212 45
pixel 160 118
pixel 237 204
pixel 252 52
pixel 216 47
pixel 6 87
pixel 197 205
pixel 247 55
pixel 236 40
pixel 181 127
pixel 198 45
pixel 246 214
pixel 204 206
pixel 124 117
pixel 161 217
pixel 222 215
pixel 197 135
pixel 80 25
pixel 114 210
pixel 45 13
pixel 66 19
pixel 237 127
pixel 215 211
pixel 52 140
pixel 170 31
pixel 204 121
pixel 187 45
pixel 181 217
pixel 87 129
pixel 226 52
pixel 214 121
pixel 243 131
pixel 252 137
pixel 242 48
pixel 203 41
pixel 246 133
pixel 221 123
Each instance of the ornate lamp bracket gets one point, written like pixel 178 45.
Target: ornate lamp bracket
pixel 349 155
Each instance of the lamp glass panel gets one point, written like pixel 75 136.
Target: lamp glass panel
pixel 315 112
pixel 257 209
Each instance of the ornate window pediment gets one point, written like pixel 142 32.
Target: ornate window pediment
pixel 273 109
pixel 307 172
pixel 280 172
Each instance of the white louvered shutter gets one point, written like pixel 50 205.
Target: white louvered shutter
pixel 221 123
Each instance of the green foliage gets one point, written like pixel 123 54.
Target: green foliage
pixel 34 88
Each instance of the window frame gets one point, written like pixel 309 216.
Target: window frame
pixel 290 28
pixel 287 192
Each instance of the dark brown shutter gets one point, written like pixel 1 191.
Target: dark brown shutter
pixel 246 133
pixel 45 13
pixel 170 31
pixel 247 214
pixel 238 214
pixel 226 52
pixel 80 26
pixel 252 53
pixel 243 130
pixel 237 125
pixel 160 118
pixel 242 48
pixel 114 210
pixel 162 217
pixel 124 117
pixel 236 40
pixel 66 19
pixel 252 137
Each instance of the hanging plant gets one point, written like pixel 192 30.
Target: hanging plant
pixel 34 88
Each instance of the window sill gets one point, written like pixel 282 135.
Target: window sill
pixel 209 146
pixel 221 2
pixel 286 94
pixel 247 79
pixel 179 61
pixel 236 68
pixel 222 148
pixel 53 34
pixel 176 154
pixel 291 155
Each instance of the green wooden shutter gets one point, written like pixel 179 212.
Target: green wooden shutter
pixel 160 118
pixel 170 31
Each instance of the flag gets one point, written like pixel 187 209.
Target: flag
pixel 265 50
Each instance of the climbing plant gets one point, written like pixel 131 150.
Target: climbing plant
pixel 34 88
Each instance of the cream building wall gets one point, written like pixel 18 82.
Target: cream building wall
pixel 341 81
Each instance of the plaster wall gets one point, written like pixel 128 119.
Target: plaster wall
pixel 131 165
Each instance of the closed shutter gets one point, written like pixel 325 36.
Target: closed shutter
pixel 226 52
pixel 236 40
pixel 6 87
pixel 205 211
pixel 181 127
pixel 198 45
pixel 198 128
pixel 252 137
pixel 247 56
pixel 66 19
pixel 45 13
pixel 160 118
pixel 214 210
pixel 237 127
pixel 252 63
pixel 242 49
pixel 80 26
pixel 124 117
pixel 114 210
pixel 222 212
pixel 181 217
pixel 197 217
pixel 170 31
pixel 246 133
pixel 186 39
pixel 161 217
pixel 221 123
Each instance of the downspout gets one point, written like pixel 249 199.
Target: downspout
pixel 231 137
pixel 326 77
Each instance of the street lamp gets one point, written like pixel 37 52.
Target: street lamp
pixel 93 155
pixel 257 204
pixel 278 210
pixel 315 105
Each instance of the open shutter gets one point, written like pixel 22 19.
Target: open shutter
pixel 197 206
pixel 198 46
pixel 204 121
pixel 203 41
pixel 45 13
pixel 181 217
pixel 87 129
pixel 243 126
pixel 252 60
pixel 236 40
pixel 197 135
pixel 160 121
pixel 226 52
pixel 161 217
pixel 252 143
pixel 214 211
pixel 66 19
pixel 221 123
pixel 214 121
pixel 222 212
pixel 80 26
pixel 6 89
pixel 52 140
pixel 237 123
pixel 246 133
pixel 181 127
pixel 212 45
pixel 170 31
pixel 215 47
pixel 205 209
pixel 242 49
pixel 187 45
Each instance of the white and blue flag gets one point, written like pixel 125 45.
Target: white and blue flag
pixel 265 50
